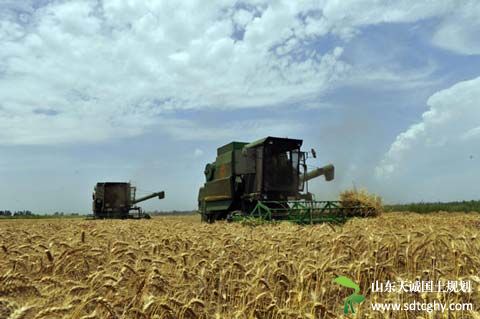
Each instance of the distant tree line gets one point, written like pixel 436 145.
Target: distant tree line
pixel 16 213
pixel 459 206
pixel 29 214
pixel 65 214
pixel 171 212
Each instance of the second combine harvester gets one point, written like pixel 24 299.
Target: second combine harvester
pixel 118 200
pixel 266 180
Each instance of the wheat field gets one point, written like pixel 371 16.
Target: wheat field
pixel 177 267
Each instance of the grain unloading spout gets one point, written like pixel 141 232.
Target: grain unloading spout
pixel 160 195
pixel 328 171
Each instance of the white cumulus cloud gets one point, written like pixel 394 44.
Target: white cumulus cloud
pixel 105 69
pixel 113 68
pixel 459 32
pixel 442 149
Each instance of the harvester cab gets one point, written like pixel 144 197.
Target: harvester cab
pixel 264 179
pixel 118 200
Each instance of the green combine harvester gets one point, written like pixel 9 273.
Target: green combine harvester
pixel 266 180
pixel 117 200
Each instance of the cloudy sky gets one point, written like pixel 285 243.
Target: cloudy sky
pixel 115 90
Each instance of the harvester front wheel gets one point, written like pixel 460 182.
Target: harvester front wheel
pixel 210 218
pixel 205 217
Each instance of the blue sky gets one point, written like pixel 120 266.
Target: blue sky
pixel 387 91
